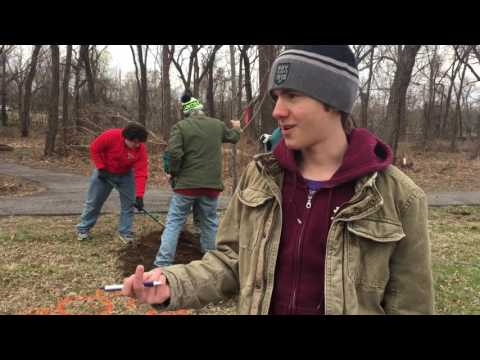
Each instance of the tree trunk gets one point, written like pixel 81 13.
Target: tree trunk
pixel 458 112
pixel 239 95
pixel 434 67
pixel 365 96
pixel 76 95
pixel 196 72
pixel 166 91
pixel 233 165
pixel 143 94
pixel 27 99
pixel 457 63
pixel 3 90
pixel 54 100
pixel 65 116
pixel 141 82
pixel 248 78
pixel 210 80
pixel 389 129
pixel 266 56
pixel 84 50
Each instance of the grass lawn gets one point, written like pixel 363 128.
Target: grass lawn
pixel 455 235
pixel 45 270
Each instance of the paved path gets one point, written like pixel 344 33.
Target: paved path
pixel 65 195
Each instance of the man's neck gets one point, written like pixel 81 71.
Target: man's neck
pixel 321 161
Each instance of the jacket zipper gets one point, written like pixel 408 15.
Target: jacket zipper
pixel 308 206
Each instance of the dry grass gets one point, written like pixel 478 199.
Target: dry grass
pixel 441 170
pixel 455 234
pixel 45 270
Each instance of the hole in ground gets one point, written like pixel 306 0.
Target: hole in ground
pixel 145 250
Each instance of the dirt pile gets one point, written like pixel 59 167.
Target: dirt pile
pixel 143 252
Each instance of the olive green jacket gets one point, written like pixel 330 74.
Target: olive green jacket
pixel 195 151
pixel 377 255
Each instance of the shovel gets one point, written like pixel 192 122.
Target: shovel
pixel 133 201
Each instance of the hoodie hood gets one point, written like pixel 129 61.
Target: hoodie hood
pixel 366 154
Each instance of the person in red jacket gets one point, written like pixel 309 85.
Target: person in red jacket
pixel 121 160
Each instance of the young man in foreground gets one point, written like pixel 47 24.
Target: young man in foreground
pixel 323 225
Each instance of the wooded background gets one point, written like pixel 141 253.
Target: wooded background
pixel 421 94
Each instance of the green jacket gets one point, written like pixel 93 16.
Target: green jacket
pixel 377 256
pixel 195 151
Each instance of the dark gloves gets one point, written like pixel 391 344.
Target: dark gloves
pixel 139 203
pixel 103 174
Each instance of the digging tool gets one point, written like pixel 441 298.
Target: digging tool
pixel 133 201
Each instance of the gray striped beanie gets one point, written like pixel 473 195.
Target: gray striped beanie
pixel 327 73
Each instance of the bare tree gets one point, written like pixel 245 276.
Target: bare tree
pixel 166 89
pixel 193 74
pixel 66 94
pixel 233 167
pixel 454 70
pixel 142 82
pixel 3 85
pixel 434 64
pixel 246 62
pixel 361 53
pixel 389 129
pixel 208 68
pixel 85 58
pixel 266 56
pixel 54 101
pixel 193 61
pixel 457 120
pixel 78 84
pixel 27 99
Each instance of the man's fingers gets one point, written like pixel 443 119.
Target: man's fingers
pixel 138 282
pixel 128 286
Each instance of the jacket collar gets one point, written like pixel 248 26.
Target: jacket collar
pixel 366 200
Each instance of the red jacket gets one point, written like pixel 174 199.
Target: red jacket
pixel 108 151
pixel 300 269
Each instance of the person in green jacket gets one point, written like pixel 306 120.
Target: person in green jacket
pixel 166 169
pixel 193 162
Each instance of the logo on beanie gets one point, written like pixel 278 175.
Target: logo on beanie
pixel 281 73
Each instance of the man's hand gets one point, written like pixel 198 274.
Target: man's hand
pixel 235 124
pixel 139 203
pixel 133 286
pixel 103 174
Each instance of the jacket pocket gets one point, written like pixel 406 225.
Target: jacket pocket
pixel 369 245
pixel 257 208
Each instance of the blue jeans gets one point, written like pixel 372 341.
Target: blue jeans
pixel 98 193
pixel 180 207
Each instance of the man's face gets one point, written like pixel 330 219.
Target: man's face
pixel 303 120
pixel 132 144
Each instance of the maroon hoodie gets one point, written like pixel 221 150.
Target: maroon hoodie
pixel 300 269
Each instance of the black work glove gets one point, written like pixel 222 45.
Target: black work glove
pixel 103 174
pixel 139 203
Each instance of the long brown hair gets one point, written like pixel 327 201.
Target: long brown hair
pixel 348 122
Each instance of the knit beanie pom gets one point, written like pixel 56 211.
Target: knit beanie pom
pixel 185 98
